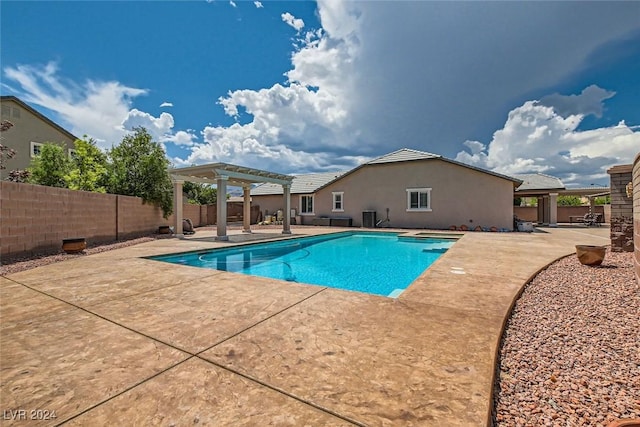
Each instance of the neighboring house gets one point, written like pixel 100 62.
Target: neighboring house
pixel 30 131
pixel 417 189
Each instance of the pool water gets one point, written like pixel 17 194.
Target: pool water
pixel 373 262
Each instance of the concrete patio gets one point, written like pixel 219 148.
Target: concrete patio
pixel 114 339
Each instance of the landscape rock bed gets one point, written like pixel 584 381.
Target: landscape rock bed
pixel 570 353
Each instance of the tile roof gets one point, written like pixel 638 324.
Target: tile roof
pixel 301 184
pixel 403 155
pixel 538 181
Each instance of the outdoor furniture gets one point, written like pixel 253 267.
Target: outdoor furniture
pixel 340 222
pixel 592 219
pixel 576 218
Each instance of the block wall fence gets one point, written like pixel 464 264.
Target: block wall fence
pixel 35 219
pixel 621 209
pixel 530 213
pixel 636 214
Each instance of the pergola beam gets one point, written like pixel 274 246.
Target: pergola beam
pixel 223 175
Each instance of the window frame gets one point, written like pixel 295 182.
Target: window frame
pixel 419 191
pixel 32 147
pixel 302 211
pixel 334 196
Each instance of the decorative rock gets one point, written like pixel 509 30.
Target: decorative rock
pixel 590 255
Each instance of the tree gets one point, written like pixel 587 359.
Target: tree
pixel 139 168
pixel 88 169
pixel 200 194
pixel 6 153
pixel 50 166
pixel 569 201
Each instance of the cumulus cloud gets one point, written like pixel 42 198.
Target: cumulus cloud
pixel 249 146
pixel 166 104
pixel 535 138
pixel 95 108
pixel 292 21
pixel 158 127
pixel 258 4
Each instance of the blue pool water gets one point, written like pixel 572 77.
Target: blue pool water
pixel 374 263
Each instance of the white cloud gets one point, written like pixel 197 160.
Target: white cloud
pixel 166 104
pixel 95 108
pixel 292 21
pixel 232 3
pixel 537 139
pixel 258 4
pixel 158 127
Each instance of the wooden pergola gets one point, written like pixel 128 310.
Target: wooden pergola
pixel 223 175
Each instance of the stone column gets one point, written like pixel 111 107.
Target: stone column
pixel 553 209
pixel 621 209
pixel 221 204
pixel 540 210
pixel 286 224
pixel 246 210
pixel 177 208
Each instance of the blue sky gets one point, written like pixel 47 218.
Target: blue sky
pixel 298 87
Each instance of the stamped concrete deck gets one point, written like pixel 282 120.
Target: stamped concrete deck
pixel 113 339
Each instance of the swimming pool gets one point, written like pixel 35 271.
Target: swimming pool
pixel 372 262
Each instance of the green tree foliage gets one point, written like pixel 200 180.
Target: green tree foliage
pixel 139 168
pixel 569 201
pixel 88 170
pixel 606 200
pixel 50 167
pixel 200 194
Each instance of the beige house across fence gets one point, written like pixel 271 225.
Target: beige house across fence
pixel 30 131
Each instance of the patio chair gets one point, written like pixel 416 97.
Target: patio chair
pixel 591 219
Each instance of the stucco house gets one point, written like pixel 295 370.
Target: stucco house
pixel 30 131
pixel 410 188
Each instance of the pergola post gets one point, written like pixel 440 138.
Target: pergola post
pixel 221 208
pixel 177 208
pixel 553 209
pixel 286 224
pixel 246 209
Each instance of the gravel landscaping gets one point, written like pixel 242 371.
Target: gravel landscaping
pixel 15 265
pixel 570 354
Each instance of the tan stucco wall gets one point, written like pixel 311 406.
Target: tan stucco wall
pixel 459 195
pixel 26 129
pixel 274 202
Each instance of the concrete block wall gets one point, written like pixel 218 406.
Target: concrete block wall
pixel 621 209
pixel 636 214
pixel 530 213
pixel 136 218
pixel 34 219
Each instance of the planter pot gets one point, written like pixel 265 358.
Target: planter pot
pixel 590 255
pixel 164 229
pixel 74 245
pixel 625 422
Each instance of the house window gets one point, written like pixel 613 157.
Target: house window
pixel 35 148
pixel 419 199
pixel 72 153
pixel 306 204
pixel 338 200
